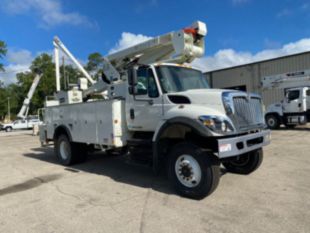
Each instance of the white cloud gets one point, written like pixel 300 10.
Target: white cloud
pixel 127 40
pixel 9 75
pixel 19 61
pixel 229 57
pixel 22 56
pixel 50 11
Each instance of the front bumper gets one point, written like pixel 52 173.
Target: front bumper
pixel 234 146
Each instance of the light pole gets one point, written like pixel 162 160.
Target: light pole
pixel 9 109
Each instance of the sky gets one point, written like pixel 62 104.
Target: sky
pixel 239 31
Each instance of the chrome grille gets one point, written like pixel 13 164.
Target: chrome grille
pixel 248 112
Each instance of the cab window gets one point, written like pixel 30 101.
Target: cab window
pixel 146 83
pixel 293 95
pixel 308 92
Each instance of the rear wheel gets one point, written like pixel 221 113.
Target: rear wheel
pixel 272 121
pixel 68 152
pixel 246 163
pixel 192 172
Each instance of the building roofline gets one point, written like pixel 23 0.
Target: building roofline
pixel 257 62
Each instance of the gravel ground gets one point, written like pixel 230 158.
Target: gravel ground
pixel 109 194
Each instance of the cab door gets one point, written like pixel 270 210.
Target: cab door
pixel 294 101
pixel 144 108
pixel 307 94
pixel 20 124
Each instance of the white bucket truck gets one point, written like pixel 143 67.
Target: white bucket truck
pixel 161 110
pixel 294 109
pixel 24 121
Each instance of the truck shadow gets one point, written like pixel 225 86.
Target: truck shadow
pixel 118 168
pixel 294 129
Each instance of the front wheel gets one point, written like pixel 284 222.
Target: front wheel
pixel 272 121
pixel 246 163
pixel 192 172
pixel 8 129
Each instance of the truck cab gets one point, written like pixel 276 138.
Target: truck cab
pixel 293 110
pixel 160 92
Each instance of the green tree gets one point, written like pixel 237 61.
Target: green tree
pixel 94 64
pixel 3 51
pixel 41 64
pixel 3 102
pixel 69 76
pixel 11 91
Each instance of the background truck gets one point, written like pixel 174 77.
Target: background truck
pixel 155 108
pixel 26 123
pixel 294 109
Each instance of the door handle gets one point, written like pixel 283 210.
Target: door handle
pixel 132 113
pixel 299 105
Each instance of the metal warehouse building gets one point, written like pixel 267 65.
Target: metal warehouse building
pixel 248 77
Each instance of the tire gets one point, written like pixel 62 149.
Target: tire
pixel 69 153
pixel 272 121
pixel 246 163
pixel 202 169
pixel 8 129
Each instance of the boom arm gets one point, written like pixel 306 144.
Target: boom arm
pixel 25 108
pixel 59 45
pixel 178 47
pixel 287 80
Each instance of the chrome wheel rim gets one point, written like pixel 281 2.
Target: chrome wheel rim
pixel 188 171
pixel 64 150
pixel 271 122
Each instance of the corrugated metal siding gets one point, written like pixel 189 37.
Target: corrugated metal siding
pixel 251 75
pixel 234 77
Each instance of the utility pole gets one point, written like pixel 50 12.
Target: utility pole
pixel 9 109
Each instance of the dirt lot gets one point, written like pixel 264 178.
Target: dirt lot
pixel 108 194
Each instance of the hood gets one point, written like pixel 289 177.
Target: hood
pixel 211 98
pixel 6 124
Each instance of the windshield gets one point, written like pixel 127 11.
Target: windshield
pixel 177 79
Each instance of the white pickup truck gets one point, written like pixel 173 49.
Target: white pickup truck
pixel 20 124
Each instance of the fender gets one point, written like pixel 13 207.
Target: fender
pixel 275 109
pixel 62 128
pixel 191 123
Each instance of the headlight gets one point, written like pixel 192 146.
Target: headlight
pixel 227 102
pixel 217 124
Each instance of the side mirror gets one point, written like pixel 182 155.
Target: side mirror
pixel 132 76
pixel 133 90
